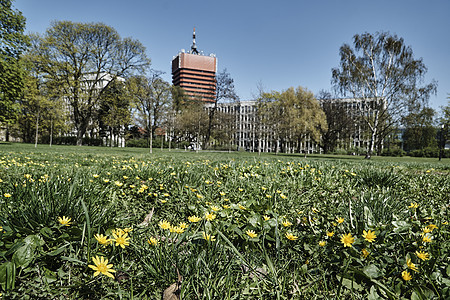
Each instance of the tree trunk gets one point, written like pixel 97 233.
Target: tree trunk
pixel 151 140
pixel 210 123
pixel 80 133
pixel 37 130
pixel 51 131
pixel 373 137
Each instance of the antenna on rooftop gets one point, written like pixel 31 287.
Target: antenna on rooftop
pixel 194 47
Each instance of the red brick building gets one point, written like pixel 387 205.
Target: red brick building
pixel 195 73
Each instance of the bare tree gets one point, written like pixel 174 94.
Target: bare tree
pixel 151 97
pixel 84 59
pixel 224 92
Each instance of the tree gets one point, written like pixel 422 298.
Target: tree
pixel 224 92
pixel 419 130
pixel 444 122
pixel 151 97
pixel 115 112
pixel 382 70
pixel 191 122
pixel 340 123
pixel 293 115
pixel 83 60
pixel 12 43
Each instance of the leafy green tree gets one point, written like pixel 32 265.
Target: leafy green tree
pixel 12 43
pixel 444 123
pixel 380 68
pixel 293 115
pixel 115 111
pixel 419 130
pixel 40 108
pixel 83 60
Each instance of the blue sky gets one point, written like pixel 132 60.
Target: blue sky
pixel 274 44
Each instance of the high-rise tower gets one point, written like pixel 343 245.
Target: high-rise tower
pixel 195 73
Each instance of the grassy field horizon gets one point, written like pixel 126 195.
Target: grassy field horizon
pixel 445 162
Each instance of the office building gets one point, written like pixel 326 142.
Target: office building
pixel 195 73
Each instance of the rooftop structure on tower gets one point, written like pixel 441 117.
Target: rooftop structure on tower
pixel 195 73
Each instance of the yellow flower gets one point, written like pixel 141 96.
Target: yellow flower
pixel 322 243
pixel 199 196
pixel 365 253
pixel 215 208
pixel 101 266
pixel 251 233
pixel 286 223
pixel 6 195
pixel 128 229
pixel 347 240
pixel 330 234
pixel 411 265
pixel 102 239
pixel 406 276
pixel 340 220
pixel 423 255
pixel 222 193
pixel 369 236
pixel 427 230
pixel 242 207
pixel 431 227
pixel 194 219
pixel 283 196
pixel 95 175
pixel 152 241
pixel 426 239
pixel 64 220
pixel 118 183
pixel 413 205
pixel 177 229
pixel 117 231
pixel 209 237
pixel 182 225
pixel 291 237
pixel 121 238
pixel 266 218
pixel 209 216
pixel 226 206
pixel 105 180
pixel 164 224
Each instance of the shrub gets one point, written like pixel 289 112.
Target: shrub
pixel 393 152
pixel 140 143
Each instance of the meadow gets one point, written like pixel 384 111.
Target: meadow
pixel 108 223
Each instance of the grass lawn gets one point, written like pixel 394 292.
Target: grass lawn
pixel 121 223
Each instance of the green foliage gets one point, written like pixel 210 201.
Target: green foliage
pixel 291 116
pixel 394 151
pixel 101 190
pixel 12 42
